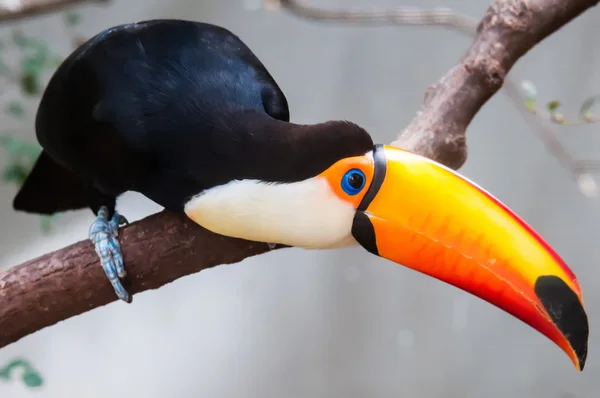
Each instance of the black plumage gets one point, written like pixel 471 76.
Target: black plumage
pixel 169 108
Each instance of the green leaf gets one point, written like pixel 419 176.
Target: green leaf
pixel 553 106
pixel 25 42
pixel 72 18
pixel 530 92
pixel 18 149
pixel 530 104
pixel 18 38
pixel 46 222
pixel 33 65
pixel 15 109
pixel 5 373
pixel 39 46
pixel 31 152
pixel 32 379
pixel 3 67
pixel 11 145
pixel 15 173
pixel 6 141
pixel 35 57
pixel 587 105
pixel 30 84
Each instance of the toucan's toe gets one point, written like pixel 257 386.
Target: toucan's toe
pixel 104 235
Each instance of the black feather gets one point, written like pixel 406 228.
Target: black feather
pixel 169 108
pixel 50 188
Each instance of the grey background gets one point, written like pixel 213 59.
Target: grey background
pixel 341 323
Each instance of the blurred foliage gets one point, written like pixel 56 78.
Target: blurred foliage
pixel 582 170
pixel 29 375
pixel 15 109
pixel 35 60
pixel 72 18
pixel 585 114
pixel 21 158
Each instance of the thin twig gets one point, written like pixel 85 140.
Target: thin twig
pixel 543 129
pixel 379 16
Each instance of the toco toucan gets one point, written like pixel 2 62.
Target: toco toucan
pixel 185 114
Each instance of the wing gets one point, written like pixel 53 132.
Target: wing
pixel 166 73
pixel 160 75
pixel 152 89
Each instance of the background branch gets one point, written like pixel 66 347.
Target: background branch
pixel 164 247
pixel 383 16
pixel 464 24
pixel 507 31
pixel 12 11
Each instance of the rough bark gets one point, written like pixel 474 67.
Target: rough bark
pixel 156 250
pixel 508 30
pixel 164 247
pixel 30 8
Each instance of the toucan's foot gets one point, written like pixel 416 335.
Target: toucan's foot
pixel 272 245
pixel 104 235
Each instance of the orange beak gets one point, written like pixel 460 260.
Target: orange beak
pixel 424 216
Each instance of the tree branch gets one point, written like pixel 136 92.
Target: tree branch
pixel 464 24
pixel 507 31
pixel 398 16
pixel 164 247
pixel 29 8
pixel 156 250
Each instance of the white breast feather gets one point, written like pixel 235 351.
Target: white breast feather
pixel 305 214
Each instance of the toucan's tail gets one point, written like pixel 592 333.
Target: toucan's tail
pixel 50 188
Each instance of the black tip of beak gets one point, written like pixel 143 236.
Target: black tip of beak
pixel 566 311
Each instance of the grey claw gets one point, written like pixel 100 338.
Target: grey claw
pixel 103 234
pixel 123 220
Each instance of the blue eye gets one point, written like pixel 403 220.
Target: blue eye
pixel 353 181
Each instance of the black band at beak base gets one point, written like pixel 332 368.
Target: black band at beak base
pixel 362 228
pixel 380 167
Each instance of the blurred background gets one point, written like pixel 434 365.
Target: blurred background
pixel 341 323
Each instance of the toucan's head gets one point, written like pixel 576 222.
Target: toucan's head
pixel 417 213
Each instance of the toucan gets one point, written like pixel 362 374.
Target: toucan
pixel 184 113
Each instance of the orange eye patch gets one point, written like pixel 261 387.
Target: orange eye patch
pixel 350 178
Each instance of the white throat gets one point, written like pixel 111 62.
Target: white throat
pixel 304 214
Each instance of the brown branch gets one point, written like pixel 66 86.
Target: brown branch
pixel 30 8
pixel 508 30
pixel 463 24
pixel 165 247
pixel 398 16
pixel 156 250
pixel 542 127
